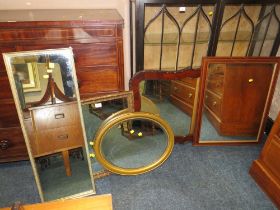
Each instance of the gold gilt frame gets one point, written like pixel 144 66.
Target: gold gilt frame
pixel 112 121
pixel 102 98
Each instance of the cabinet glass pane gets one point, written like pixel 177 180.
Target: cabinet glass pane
pixel 176 37
pixel 248 30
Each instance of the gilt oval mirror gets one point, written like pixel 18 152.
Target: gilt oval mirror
pixel 133 143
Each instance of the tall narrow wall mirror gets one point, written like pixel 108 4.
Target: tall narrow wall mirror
pixel 98 109
pixel 234 99
pixel 170 95
pixel 45 90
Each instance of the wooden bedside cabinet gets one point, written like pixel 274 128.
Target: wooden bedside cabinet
pixel 55 128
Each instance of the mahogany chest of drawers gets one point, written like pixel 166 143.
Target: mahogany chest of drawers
pixel 266 170
pixel 96 39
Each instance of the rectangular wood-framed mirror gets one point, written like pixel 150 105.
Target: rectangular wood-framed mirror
pixel 45 90
pixel 95 111
pixel 234 99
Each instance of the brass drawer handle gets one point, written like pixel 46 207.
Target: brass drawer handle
pixel 214 103
pixel 250 80
pixel 59 116
pixel 62 136
pixel 4 144
pixel 190 95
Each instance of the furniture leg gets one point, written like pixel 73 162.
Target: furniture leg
pixel 65 155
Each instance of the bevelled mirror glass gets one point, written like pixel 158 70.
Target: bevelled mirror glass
pixel 235 96
pixel 98 109
pixel 133 143
pixel 44 87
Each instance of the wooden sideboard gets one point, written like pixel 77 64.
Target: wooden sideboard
pixel 266 170
pixel 96 39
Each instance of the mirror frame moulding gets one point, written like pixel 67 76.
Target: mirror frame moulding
pixel 140 76
pixel 104 128
pixel 7 57
pixel 234 60
pixel 107 97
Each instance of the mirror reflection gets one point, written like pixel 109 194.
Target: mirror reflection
pixel 173 100
pixel 133 143
pixel 95 111
pixel 44 82
pixel 235 101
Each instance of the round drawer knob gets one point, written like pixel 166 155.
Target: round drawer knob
pixel 214 103
pixel 4 144
pixel 250 80
pixel 190 95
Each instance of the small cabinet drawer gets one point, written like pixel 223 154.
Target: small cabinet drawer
pixel 56 116
pixel 55 140
pixel 12 144
pixel 183 91
pixel 213 102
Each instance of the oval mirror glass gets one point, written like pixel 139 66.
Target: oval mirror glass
pixel 133 143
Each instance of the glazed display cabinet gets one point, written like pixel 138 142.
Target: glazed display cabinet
pixel 174 35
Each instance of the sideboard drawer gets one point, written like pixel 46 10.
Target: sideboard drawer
pixel 183 91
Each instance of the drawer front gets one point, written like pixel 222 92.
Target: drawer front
pixel 55 140
pixel 99 80
pixel 272 156
pixel 12 144
pixel 8 114
pixel 213 102
pixel 91 55
pixel 183 91
pixel 56 116
pixel 57 33
pixel 190 81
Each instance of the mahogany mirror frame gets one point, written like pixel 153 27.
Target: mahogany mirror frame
pixel 202 87
pixel 160 75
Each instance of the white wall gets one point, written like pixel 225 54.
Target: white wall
pixel 121 5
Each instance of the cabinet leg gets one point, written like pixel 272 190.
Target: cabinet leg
pixel 65 155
